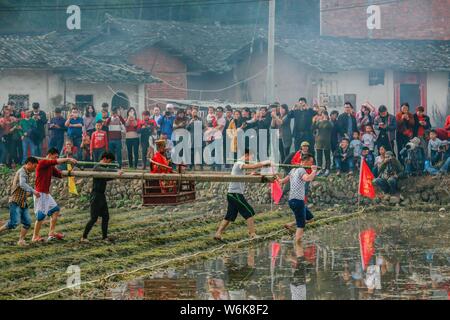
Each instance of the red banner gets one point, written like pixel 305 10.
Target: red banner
pixel 367 246
pixel 277 192
pixel 366 188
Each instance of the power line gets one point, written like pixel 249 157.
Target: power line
pixel 131 6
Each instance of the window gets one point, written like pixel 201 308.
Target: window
pixel 22 101
pixel 376 77
pixel 82 101
pixel 350 97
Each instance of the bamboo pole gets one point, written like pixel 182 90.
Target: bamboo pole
pixel 171 176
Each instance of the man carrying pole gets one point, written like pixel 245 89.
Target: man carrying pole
pixel 298 178
pixel 18 207
pixel 44 204
pixel 235 197
pixel 99 205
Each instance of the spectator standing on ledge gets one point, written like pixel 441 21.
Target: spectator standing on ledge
pixel 405 127
pixel 99 142
pixel 132 138
pixel 57 129
pixel 146 127
pixel 386 125
pixel 41 121
pixel 347 122
pixel 75 130
pixel 114 124
pixel 421 123
pixel 302 115
pixel 89 120
pixel 323 128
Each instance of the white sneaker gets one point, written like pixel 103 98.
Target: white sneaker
pixel 326 173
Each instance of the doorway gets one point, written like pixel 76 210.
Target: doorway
pixel 120 99
pixel 410 93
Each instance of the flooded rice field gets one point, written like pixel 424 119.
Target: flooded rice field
pixel 381 256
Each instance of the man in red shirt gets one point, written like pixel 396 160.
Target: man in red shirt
pixel 44 204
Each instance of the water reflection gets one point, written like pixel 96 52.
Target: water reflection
pixel 404 260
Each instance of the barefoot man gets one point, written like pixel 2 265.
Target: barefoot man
pixel 18 207
pixel 44 204
pixel 298 178
pixel 235 197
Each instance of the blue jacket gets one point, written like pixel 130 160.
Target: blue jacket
pixel 166 125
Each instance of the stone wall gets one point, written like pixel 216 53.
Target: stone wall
pixel 329 191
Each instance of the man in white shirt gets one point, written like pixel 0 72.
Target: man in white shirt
pixel 298 178
pixel 235 197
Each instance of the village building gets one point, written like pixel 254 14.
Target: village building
pixel 146 63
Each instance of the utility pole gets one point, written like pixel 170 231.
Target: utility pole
pixel 270 84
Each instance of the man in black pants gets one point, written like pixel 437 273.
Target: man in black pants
pixel 99 206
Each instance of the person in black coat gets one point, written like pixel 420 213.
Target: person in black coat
pixel 346 122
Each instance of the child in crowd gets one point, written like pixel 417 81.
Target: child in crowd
pixel 356 145
pixel 433 147
pixel 86 147
pixel 369 138
pixel 99 142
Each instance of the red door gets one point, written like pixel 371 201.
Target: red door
pixel 410 87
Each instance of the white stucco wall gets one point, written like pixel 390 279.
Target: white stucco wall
pixel 40 85
pixel 43 85
pixel 104 93
pixel 437 97
pixel 357 82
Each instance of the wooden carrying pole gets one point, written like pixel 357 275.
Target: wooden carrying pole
pixel 172 176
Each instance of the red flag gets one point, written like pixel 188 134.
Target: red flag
pixel 310 253
pixel 367 246
pixel 366 188
pixel 275 250
pixel 277 192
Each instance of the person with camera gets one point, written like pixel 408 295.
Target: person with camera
pixel 115 124
pixel 75 130
pixel 388 174
pixel 146 128
pixel 405 127
pixel 413 156
pixel 11 137
pixel 385 125
pixel 303 118
pixel 421 123
pixel 41 121
pixel 57 130
pixel 28 135
pixel 132 138
pixel 195 151
pixel 166 122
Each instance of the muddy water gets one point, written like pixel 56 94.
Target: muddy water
pixel 383 256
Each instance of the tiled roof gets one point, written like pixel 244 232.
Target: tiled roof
pixel 45 52
pixel 340 54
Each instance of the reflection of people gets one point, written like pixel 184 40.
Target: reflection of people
pixel 297 283
pixel 216 288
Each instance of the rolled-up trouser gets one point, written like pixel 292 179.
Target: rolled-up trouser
pixel 18 215
pixel 301 212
